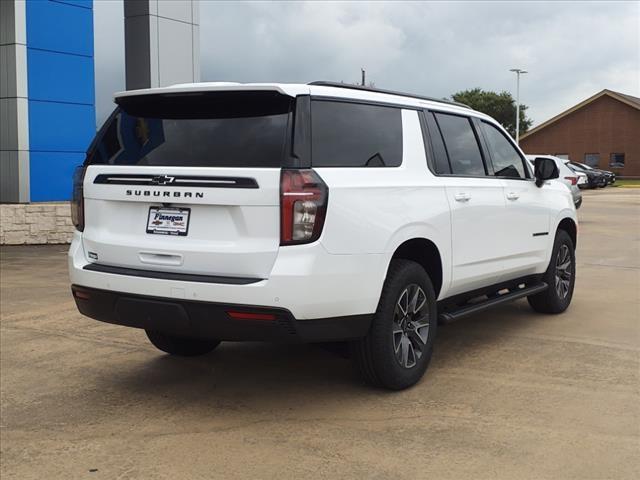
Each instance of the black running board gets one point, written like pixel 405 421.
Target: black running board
pixel 463 311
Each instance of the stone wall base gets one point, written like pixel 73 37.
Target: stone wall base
pixel 35 223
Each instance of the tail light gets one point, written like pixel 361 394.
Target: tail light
pixel 303 206
pixel 573 180
pixel 251 315
pixel 77 198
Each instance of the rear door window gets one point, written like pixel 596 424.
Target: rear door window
pixel 461 143
pixel 221 129
pixel 355 135
pixel 441 160
pixel 506 160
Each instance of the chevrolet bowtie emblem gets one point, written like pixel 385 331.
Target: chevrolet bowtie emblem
pixel 162 180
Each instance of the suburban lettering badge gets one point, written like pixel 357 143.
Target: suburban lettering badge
pixel 158 193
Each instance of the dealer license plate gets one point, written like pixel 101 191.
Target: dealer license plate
pixel 168 221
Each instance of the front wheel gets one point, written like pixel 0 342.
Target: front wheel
pixel 397 350
pixel 560 276
pixel 181 346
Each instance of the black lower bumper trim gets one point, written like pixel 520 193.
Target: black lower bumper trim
pixel 211 320
pixel 183 277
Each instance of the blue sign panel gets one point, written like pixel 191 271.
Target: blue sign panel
pixel 61 93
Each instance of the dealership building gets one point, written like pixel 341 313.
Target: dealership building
pixel 603 131
pixel 47 97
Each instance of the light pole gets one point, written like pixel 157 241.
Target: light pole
pixel 518 73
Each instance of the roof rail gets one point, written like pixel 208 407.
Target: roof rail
pixel 388 92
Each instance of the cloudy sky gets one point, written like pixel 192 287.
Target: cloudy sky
pixel 571 49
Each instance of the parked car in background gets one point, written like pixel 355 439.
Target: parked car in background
pixel 595 178
pixel 566 176
pixel 610 176
pixel 583 181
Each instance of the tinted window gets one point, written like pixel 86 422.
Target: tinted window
pixel 355 135
pixel 461 143
pixel 210 130
pixel 577 166
pixel 441 161
pixel 505 158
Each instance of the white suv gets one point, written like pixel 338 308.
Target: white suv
pixel 314 213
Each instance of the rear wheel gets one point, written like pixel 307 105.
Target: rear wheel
pixel 560 276
pixel 181 346
pixel 397 350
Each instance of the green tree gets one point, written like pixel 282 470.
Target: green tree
pixel 500 106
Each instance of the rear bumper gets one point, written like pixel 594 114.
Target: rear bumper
pixel 304 280
pixel 212 320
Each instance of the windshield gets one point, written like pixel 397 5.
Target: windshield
pixel 584 167
pixel 221 129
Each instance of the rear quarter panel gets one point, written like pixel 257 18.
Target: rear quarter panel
pixel 374 210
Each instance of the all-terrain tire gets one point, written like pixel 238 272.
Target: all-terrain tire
pixel 181 346
pixel 380 355
pixel 560 276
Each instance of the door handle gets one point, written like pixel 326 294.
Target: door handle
pixel 513 196
pixel 462 197
pixel 155 258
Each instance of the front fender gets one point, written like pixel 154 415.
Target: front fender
pixel 565 213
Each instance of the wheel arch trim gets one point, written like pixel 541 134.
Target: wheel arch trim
pixel 404 244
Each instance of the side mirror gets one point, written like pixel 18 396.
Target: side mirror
pixel 545 169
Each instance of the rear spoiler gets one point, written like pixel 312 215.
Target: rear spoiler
pixel 291 90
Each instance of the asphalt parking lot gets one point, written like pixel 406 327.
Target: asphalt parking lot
pixel 509 394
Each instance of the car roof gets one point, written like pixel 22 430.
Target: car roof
pixel 363 88
pixel 533 156
pixel 319 89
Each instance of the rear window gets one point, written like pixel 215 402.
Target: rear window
pixel 221 129
pixel 441 159
pixel 462 145
pixel 355 135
